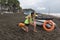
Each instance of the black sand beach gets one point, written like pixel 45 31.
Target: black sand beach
pixel 10 31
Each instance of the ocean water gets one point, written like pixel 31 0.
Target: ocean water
pixel 53 14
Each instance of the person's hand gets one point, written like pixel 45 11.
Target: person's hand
pixel 31 24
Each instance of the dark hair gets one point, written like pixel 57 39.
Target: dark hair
pixel 32 13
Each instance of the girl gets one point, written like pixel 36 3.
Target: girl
pixel 29 21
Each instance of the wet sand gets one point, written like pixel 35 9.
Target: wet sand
pixel 10 31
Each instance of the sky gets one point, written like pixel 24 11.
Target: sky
pixel 52 6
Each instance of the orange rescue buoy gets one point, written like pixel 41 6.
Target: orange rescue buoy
pixel 51 27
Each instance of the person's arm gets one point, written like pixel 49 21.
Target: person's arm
pixel 29 19
pixel 34 18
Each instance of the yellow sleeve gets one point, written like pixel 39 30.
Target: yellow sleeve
pixel 27 16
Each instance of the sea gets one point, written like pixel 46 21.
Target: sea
pixel 53 14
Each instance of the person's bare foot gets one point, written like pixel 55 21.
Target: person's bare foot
pixel 26 30
pixel 35 30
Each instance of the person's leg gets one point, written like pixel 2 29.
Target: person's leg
pixel 34 24
pixel 25 28
pixel 35 30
